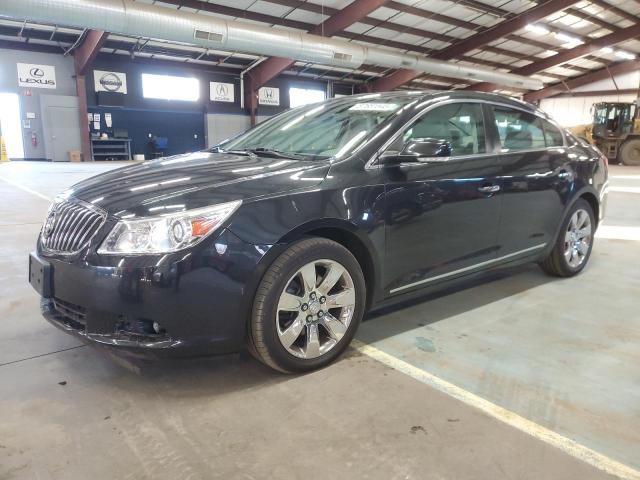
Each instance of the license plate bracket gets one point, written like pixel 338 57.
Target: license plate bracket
pixel 40 275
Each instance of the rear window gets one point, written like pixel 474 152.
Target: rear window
pixel 552 135
pixel 518 130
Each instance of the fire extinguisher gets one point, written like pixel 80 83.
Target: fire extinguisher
pixel 34 139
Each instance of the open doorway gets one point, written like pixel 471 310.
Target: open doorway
pixel 10 124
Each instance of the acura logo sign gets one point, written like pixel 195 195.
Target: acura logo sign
pixel 222 90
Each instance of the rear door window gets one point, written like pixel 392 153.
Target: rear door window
pixel 552 135
pixel 518 130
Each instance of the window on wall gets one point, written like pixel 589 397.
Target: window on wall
pixel 167 87
pixel 518 130
pixel 304 96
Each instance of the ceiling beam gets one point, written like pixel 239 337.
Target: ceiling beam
pixel 505 28
pixel 86 53
pixel 615 10
pixel 478 40
pixel 352 13
pixel 621 35
pixel 599 93
pixel 428 15
pixel 602 74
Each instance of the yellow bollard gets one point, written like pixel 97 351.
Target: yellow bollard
pixel 3 151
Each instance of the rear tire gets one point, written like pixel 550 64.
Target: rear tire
pixel 307 307
pixel 573 246
pixel 630 152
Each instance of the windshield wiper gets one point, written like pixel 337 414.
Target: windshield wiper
pixel 270 152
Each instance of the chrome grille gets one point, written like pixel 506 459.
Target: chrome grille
pixel 70 225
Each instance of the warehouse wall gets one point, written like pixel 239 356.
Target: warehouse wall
pixel 576 109
pixel 36 102
pixel 189 126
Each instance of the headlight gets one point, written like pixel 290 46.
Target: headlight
pixel 166 233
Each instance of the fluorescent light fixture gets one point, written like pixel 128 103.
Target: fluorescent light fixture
pixel 625 55
pixel 538 29
pixel 606 50
pixel 563 37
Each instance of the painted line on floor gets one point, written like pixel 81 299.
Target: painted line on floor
pixel 626 177
pixel 26 189
pixel 616 232
pixel 571 447
pixel 625 189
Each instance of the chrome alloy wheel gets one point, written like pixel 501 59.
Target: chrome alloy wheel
pixel 577 239
pixel 315 308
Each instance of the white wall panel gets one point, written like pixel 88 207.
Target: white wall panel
pixel 571 111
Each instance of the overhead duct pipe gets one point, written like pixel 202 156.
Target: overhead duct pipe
pixel 138 19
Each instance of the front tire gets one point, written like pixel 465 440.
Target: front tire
pixel 573 246
pixel 307 307
pixel 630 152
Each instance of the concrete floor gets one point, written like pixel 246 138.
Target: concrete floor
pixel 562 353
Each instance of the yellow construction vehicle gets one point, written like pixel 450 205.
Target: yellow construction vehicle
pixel 615 130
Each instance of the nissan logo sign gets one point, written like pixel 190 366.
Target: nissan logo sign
pixel 36 73
pixel 110 82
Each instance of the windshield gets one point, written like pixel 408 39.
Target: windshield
pixel 334 129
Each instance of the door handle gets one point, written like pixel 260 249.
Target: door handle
pixel 489 189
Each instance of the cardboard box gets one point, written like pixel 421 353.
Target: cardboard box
pixel 75 156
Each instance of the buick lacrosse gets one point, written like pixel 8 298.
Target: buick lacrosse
pixel 281 238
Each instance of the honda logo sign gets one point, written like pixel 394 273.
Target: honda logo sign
pixel 269 96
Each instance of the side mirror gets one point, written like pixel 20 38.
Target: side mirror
pixel 420 150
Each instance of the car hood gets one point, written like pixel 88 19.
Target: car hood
pixel 195 180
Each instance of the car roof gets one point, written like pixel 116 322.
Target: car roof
pixel 452 94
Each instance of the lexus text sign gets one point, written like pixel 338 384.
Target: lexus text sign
pixel 269 96
pixel 36 76
pixel 114 82
pixel 221 92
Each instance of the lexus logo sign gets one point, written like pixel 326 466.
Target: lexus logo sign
pixel 36 76
pixel 221 92
pixel 113 82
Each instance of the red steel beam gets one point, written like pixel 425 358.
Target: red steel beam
pixel 600 93
pixel 567 55
pixel 603 73
pixel 336 23
pixel 478 40
pixel 86 53
pixel 83 58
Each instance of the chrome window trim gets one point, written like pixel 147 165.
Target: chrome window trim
pixel 372 162
pixel 467 269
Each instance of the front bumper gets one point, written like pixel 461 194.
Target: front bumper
pixel 197 304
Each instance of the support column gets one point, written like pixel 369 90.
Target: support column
pixel 85 137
